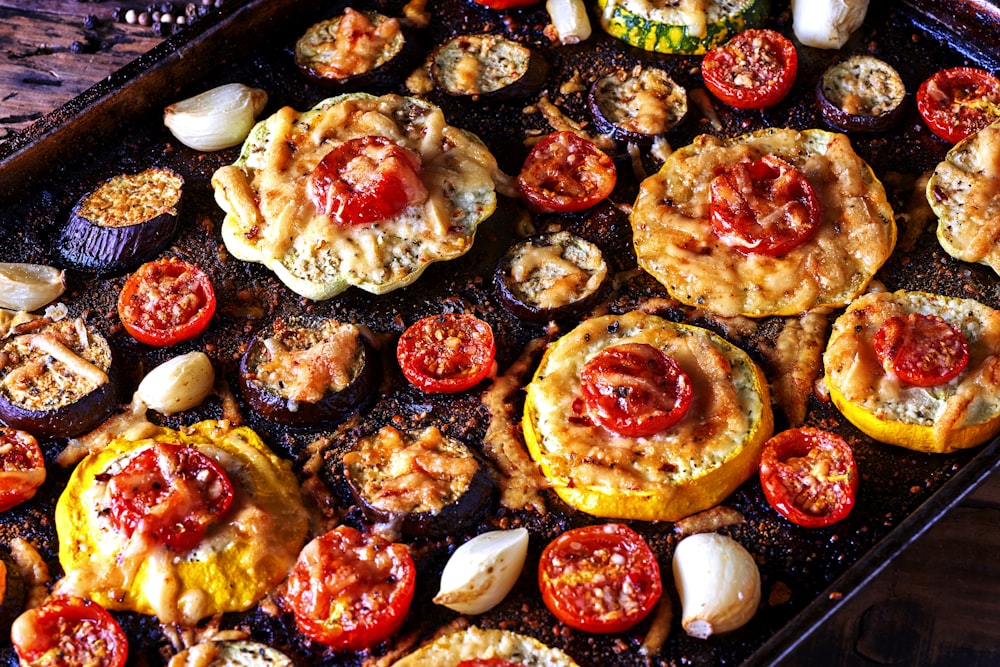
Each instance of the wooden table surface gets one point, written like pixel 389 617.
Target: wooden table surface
pixel 936 604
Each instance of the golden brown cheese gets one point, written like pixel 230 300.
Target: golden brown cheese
pixel 964 192
pixel 675 243
pixel 270 219
pixel 130 199
pixel 306 364
pixel 348 45
pixel 241 557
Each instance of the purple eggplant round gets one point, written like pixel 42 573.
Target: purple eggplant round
pixel 58 380
pixel 548 277
pixel 637 105
pixel 423 482
pixel 306 371
pixel 357 50
pixel 487 67
pixel 123 222
pixel 861 94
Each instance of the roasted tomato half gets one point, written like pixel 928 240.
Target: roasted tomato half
pixel 350 590
pixel 753 70
pixel 447 353
pixel 764 206
pixel 166 301
pixel 69 632
pixel 922 350
pixel 957 102
pixel 22 468
pixel 601 578
pixel 809 476
pixel 565 172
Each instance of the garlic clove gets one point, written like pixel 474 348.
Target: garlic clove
pixel 177 384
pixel 718 583
pixel 483 570
pixel 29 286
pixel 215 119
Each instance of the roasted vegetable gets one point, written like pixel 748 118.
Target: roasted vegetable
pixel 861 94
pixel 487 66
pixel 637 105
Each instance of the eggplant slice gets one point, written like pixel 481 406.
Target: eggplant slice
pixel 637 105
pixel 356 50
pixel 125 221
pixel 861 94
pixel 550 277
pixel 487 67
pixel 309 371
pixel 425 482
pixel 57 381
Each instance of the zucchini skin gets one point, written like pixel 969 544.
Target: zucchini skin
pixel 641 32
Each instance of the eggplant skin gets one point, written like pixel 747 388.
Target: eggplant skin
pixel 266 398
pixel 316 55
pixel 368 466
pixel 487 67
pixel 125 221
pixel 12 595
pixel 65 419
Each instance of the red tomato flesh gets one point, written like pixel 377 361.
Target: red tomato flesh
pixel 565 172
pixel 922 350
pixel 22 467
pixel 366 180
pixel 753 70
pixel 957 102
pixel 447 353
pixel 809 476
pixel 601 578
pixel 766 207
pixel 171 494
pixel 69 632
pixel 350 590
pixel 166 301
pixel 635 389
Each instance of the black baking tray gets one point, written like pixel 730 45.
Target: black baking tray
pixel 116 126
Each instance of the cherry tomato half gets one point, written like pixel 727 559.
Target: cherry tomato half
pixel 350 590
pixel 171 494
pixel 565 172
pixel 69 632
pixel 753 70
pixel 22 467
pixel 957 102
pixel 601 578
pixel 635 389
pixel 447 353
pixel 365 180
pixel 922 350
pixel 809 476
pixel 766 206
pixel 166 301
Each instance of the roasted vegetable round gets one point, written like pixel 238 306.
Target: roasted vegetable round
pixel 637 105
pixel 861 94
pixel 487 66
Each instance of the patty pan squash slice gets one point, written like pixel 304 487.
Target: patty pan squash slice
pixel 271 219
pixel 679 27
pixel 690 466
pixel 961 413
pixel 675 242
pixel 241 557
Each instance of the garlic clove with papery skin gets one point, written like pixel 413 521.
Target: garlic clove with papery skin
pixel 215 119
pixel 718 583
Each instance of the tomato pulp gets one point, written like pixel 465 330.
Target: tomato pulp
pixel 809 476
pixel 447 353
pixel 166 301
pixel 565 172
pixel 69 631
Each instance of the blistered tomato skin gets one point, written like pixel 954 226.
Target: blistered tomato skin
pixel 564 173
pixel 753 70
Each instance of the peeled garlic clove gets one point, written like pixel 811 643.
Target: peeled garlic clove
pixel 216 119
pixel 29 286
pixel 827 24
pixel 718 583
pixel 177 384
pixel 482 571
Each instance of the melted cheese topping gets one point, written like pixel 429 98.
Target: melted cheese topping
pixel 646 102
pixel 130 199
pixel 349 45
pixel 864 85
pixel 53 366
pixel 242 557
pixel 270 219
pixel 725 408
pixel 451 649
pixel 474 64
pixel 971 398
pixel 556 271
pixel 675 242
pixel 964 192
